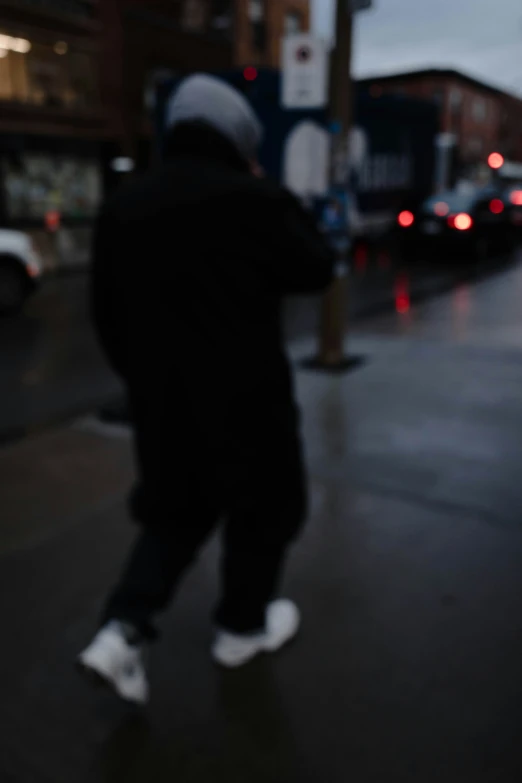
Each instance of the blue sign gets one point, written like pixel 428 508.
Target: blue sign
pixel 333 217
pixel 264 94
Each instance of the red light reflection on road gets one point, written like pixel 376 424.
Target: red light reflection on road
pixel 402 294
pixel 361 257
pixel 462 299
pixel 383 259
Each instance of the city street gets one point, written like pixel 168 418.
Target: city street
pixel 408 666
pixel 52 369
pixel 181 165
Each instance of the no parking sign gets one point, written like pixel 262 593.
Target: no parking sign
pixel 305 72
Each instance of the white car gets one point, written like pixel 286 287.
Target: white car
pixel 20 269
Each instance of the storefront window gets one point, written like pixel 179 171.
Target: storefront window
pixel 46 75
pixel 81 8
pixel 36 183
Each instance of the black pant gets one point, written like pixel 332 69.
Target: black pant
pixel 259 523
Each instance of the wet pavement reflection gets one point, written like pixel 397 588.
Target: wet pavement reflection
pixel 51 368
pixel 408 665
pixel 484 312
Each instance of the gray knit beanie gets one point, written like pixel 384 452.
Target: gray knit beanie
pixel 211 100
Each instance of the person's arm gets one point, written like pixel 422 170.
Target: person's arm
pixel 300 260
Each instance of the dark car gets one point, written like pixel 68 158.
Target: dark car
pixel 461 224
pixel 513 201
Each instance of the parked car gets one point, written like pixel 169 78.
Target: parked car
pixel 20 269
pixel 468 223
pixel 513 202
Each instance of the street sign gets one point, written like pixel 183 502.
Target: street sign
pixel 359 5
pixel 305 72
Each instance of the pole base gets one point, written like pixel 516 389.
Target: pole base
pixel 345 365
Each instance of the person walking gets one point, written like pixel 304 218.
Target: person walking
pixel 190 266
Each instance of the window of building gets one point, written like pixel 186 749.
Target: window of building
pixel 455 98
pixel 222 16
pixel 35 183
pixel 257 17
pixel 79 8
pixel 56 75
pixel 438 95
pixel 294 23
pixel 475 145
pixel 194 15
pixel 479 110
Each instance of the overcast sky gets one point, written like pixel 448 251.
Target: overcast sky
pixel 481 37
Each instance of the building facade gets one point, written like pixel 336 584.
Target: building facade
pixel 146 40
pixel 76 78
pixel 52 120
pixel 77 87
pixel 260 26
pixel 481 118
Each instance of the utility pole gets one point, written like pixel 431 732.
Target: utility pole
pixel 333 309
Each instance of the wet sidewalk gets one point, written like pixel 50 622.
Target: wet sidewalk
pixel 409 576
pixel 52 369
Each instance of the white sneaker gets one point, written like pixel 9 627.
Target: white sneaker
pixel 113 661
pixel 282 624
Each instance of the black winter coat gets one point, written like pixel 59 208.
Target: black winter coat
pixel 190 266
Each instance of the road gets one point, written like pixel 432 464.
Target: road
pixel 52 370
pixel 51 367
pixel 408 666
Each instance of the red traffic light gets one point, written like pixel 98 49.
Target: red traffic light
pixel 250 73
pixel 496 160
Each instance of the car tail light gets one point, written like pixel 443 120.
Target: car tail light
pixel 406 219
pixel 496 206
pixel 441 209
pixel 516 198
pixel 462 221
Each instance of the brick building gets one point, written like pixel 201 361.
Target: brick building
pixel 52 119
pixel 482 118
pixel 260 25
pixel 146 39
pixel 77 83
